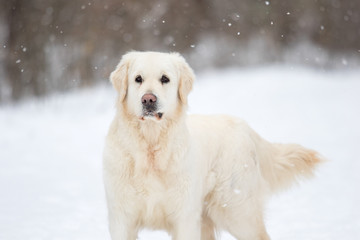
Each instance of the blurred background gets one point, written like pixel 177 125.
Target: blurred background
pixel 57 45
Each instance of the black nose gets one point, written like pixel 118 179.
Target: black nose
pixel 149 101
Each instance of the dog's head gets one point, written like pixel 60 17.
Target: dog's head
pixel 152 85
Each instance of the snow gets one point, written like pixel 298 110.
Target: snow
pixel 50 153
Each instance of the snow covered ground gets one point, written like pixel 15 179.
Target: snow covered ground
pixel 50 153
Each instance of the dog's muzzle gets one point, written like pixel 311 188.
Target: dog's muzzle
pixel 150 106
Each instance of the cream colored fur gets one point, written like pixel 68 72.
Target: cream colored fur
pixel 188 175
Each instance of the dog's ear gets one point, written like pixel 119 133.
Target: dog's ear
pixel 187 78
pixel 119 77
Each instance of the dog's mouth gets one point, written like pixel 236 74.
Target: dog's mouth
pixel 151 114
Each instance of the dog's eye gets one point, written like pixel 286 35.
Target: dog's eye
pixel 164 79
pixel 138 79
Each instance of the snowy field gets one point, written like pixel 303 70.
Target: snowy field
pixel 50 153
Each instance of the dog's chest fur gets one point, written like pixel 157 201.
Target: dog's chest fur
pixel 151 173
pixel 156 185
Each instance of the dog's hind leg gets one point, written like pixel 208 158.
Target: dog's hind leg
pixel 251 230
pixel 207 229
pixel 246 222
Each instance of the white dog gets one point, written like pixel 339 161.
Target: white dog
pixel 188 175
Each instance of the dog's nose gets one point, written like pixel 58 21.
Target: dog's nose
pixel 148 99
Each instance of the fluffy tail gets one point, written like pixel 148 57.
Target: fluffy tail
pixel 287 164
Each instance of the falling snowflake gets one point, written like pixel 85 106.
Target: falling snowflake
pixel 237 191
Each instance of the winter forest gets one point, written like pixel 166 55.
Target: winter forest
pixel 290 69
pixel 51 45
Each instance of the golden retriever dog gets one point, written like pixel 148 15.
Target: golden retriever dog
pixel 188 175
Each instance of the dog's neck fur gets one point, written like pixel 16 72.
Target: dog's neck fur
pixel 152 135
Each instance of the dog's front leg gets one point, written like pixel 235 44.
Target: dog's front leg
pixel 121 216
pixel 188 228
pixel 121 228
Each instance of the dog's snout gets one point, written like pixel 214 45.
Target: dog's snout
pixel 148 99
pixel 150 106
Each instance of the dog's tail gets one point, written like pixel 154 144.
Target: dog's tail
pixel 287 164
